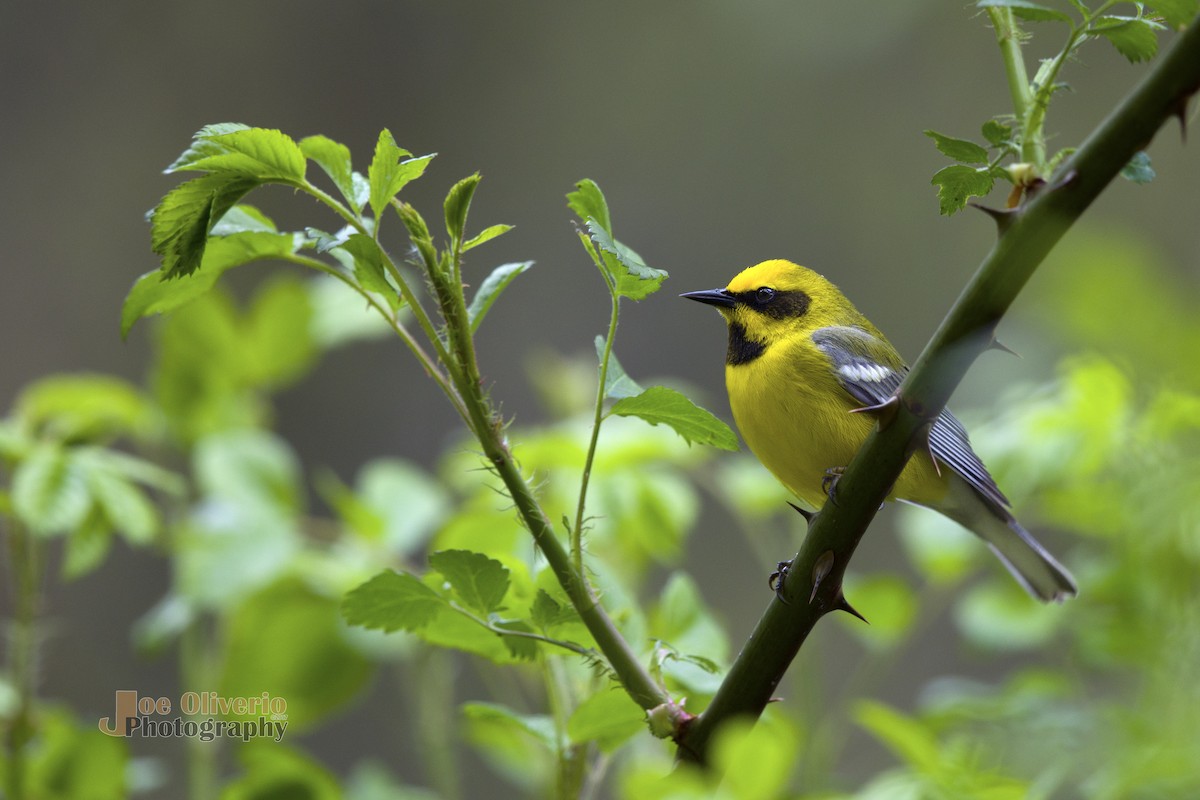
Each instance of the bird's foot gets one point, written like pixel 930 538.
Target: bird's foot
pixel 829 482
pixel 777 578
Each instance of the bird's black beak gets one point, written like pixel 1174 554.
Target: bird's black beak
pixel 713 297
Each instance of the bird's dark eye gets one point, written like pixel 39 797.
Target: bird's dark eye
pixel 764 295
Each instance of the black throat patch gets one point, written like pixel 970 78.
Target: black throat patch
pixel 742 350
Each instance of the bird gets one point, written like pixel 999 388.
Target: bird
pixel 801 358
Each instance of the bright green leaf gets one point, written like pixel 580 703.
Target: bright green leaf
pixel 370 267
pixel 660 404
pixel 157 293
pixel 519 746
pixel 84 406
pixel 340 315
pixel 587 201
pixel 547 612
pixel 522 648
pixel 938 547
pixel 486 235
pixel 756 760
pixel 250 467
pixel 334 158
pixel 490 289
pixel 1135 38
pixel 278 348
pixel 410 503
pixel 609 717
pixel 392 601
pixel 180 223
pixel 633 279
pixel 617 384
pixel 1138 169
pixel 1025 9
pixel 262 154
pixel 958 182
pixel 390 170
pixel 243 218
pixel 202 145
pixel 996 132
pixel 49 492
pixel 1176 13
pixel 456 206
pixel 86 547
pixel 479 581
pixel 126 506
pixel 1000 616
pixel 274 770
pixel 959 149
pixel 911 741
pixel 888 602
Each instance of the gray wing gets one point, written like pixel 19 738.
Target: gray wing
pixel 870 382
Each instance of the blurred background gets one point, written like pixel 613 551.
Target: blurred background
pixel 722 134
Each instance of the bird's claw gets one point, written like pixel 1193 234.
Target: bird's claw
pixel 777 578
pixel 829 482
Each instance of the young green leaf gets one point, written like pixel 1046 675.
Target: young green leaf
pixel 959 149
pixel 1025 9
pixel 609 718
pixel 84 407
pixel 996 132
pixel 631 276
pixel 180 223
pixel 243 218
pixel 418 232
pixel 958 182
pixel 126 507
pixel 390 170
pixel 587 201
pixel 392 601
pixel 1136 38
pixel 491 288
pixel 86 547
pixel 617 384
pixel 156 293
pixel 369 267
pixel 456 206
pixel 480 582
pixel 486 235
pixel 202 145
pixel 1138 169
pixel 660 404
pixel 334 158
pixel 547 612
pixel 523 648
pixel 1176 13
pixel 911 741
pixel 260 153
pixel 49 493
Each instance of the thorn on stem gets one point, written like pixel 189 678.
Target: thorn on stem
pixel 886 410
pixel 996 344
pixel 1003 217
pixel 821 569
pixel 809 516
pixel 841 604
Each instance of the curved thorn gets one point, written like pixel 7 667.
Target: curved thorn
pixel 1003 217
pixel 996 344
pixel 808 515
pixel 840 604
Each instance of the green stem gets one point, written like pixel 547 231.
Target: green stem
pixel 25 565
pixel 577 531
pixel 196 674
pixel 432 697
pixel 963 335
pixel 1024 100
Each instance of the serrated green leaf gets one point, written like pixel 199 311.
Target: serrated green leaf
pixel 243 218
pixel 959 149
pixel 486 235
pixel 263 154
pixel 202 145
pixel 490 289
pixel 617 384
pixel 546 612
pixel 958 182
pixel 392 601
pixel 157 293
pixel 370 268
pixel 1138 169
pixel 479 581
pixel 49 493
pixel 587 201
pixel 1176 13
pixel 390 170
pixel 609 718
pixel 523 648
pixel 658 404
pixel 1135 38
pixel 180 223
pixel 996 132
pixel 630 275
pixel 334 158
pixel 456 206
pixel 1025 9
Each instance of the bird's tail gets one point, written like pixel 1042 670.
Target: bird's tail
pixel 1029 562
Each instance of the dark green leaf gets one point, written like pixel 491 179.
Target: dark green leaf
pixel 958 182
pixel 1138 169
pixel 334 158
pixel 491 288
pixel 458 203
pixel 660 404
pixel 587 201
pixel 617 384
pixel 392 601
pixel 633 279
pixel 609 718
pixel 260 153
pixel 1134 38
pixel 1176 13
pixel 996 132
pixel 1034 12
pixel 390 170
pixel 486 235
pixel 180 223
pixel 156 293
pixel 480 582
pixel 959 149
